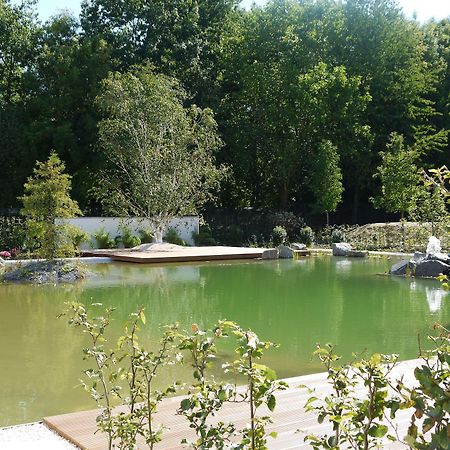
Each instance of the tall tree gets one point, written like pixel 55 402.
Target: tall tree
pixel 161 153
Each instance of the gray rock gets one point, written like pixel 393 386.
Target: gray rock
pixel 439 257
pixel 285 252
pixel 357 254
pixel 271 253
pixel 418 256
pixel 297 246
pixel 400 268
pixel 2 262
pixel 341 248
pixel 431 268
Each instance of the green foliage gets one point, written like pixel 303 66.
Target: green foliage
pixel 356 418
pixel 46 199
pixel 430 398
pixel 327 178
pixel 125 373
pixel 12 232
pixel 306 236
pixel 204 236
pixel 172 237
pixel 160 153
pixel 279 236
pixel 399 177
pixel 127 238
pixel 103 239
pixel 146 235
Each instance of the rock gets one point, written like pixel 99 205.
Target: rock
pixel 341 248
pixel 285 252
pixel 438 257
pixel 431 268
pixel 400 268
pixel 357 254
pixel 297 246
pixel 2 262
pixel 418 256
pixel 271 253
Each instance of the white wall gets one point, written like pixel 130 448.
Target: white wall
pixel 185 226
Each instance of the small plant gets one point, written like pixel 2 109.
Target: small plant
pixel 206 396
pixel 103 239
pixel 127 238
pixel 204 236
pixel 356 418
pixel 430 398
pixel 172 237
pixel 337 235
pixel 146 235
pixel 306 236
pixel 279 236
pixel 126 373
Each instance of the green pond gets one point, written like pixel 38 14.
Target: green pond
pixel 294 303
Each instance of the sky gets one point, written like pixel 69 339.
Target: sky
pixel 425 9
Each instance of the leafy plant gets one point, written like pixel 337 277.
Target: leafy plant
pixel 206 396
pixel 279 236
pixel 47 199
pixel 356 419
pixel 127 238
pixel 146 235
pixel 431 397
pixel 306 236
pixel 103 239
pixel 127 373
pixel 172 237
pixel 204 236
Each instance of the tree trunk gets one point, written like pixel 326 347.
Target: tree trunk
pixel 328 218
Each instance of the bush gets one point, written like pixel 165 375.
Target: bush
pixel 306 236
pixel 279 236
pixel 127 238
pixel 172 237
pixel 103 239
pixel 337 235
pixel 204 236
pixel 146 236
pixel 12 232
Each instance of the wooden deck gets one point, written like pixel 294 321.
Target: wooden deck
pixel 180 254
pixel 289 417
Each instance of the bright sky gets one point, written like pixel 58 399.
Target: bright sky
pixel 425 9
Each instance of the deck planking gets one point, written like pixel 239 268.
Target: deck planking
pixel 288 418
pixel 180 254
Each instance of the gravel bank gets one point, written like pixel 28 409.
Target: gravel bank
pixel 35 436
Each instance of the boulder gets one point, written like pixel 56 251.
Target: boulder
pixel 285 252
pixel 270 253
pixel 297 246
pixel 2 262
pixel 431 268
pixel 341 248
pixel 418 256
pixel 400 268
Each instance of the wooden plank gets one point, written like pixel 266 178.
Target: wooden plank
pixel 289 417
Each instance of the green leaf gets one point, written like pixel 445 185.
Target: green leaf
pixel 185 404
pixel 271 402
pixel 142 316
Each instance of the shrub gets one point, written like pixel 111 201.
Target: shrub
pixel 337 235
pixel 172 237
pixel 204 236
pixel 12 232
pixel 127 238
pixel 146 236
pixel 306 236
pixel 103 239
pixel 279 236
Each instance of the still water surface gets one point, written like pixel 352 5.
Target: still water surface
pixel 294 303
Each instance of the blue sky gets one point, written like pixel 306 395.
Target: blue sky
pixel 425 9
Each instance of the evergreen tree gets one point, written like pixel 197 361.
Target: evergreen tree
pixel 46 199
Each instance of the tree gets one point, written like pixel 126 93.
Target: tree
pixel 399 177
pixel 327 179
pixel 46 199
pixel 160 153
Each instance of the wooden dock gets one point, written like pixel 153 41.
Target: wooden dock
pixel 179 254
pixel 290 420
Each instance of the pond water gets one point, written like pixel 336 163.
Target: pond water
pixel 294 303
